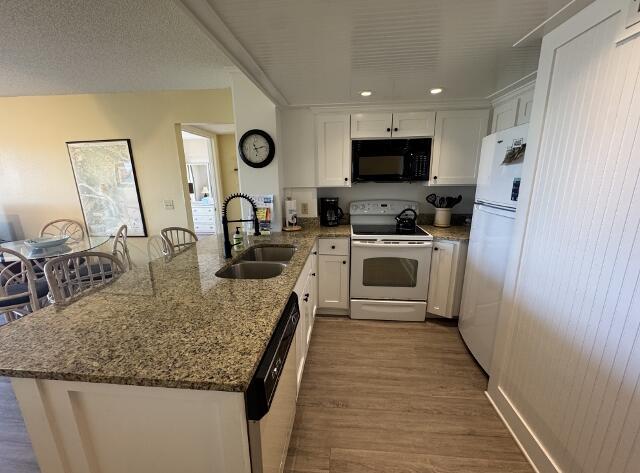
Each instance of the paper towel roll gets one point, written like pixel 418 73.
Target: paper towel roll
pixel 291 213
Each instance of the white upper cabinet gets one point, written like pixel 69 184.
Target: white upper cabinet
pixel 333 150
pixel 371 125
pixel 504 116
pixel 525 102
pixel 409 124
pixel 456 147
pixel 512 111
pixel 392 125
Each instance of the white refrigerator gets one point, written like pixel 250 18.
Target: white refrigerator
pixel 490 241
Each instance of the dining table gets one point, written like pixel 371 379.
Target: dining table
pixel 87 243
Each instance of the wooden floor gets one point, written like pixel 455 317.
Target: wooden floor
pixel 375 397
pixel 16 455
pixel 396 397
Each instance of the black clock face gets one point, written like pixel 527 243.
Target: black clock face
pixel 256 148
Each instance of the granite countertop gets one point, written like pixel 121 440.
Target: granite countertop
pixel 170 323
pixel 454 232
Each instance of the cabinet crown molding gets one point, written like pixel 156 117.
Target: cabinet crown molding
pixel 399 107
pixel 513 90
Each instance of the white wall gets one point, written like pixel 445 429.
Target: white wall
pixel 302 196
pixel 196 149
pixel 566 369
pixel 252 109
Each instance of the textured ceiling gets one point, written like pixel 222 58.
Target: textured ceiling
pixel 326 51
pixel 75 46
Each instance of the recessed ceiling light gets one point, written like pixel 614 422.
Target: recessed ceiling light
pixel 436 90
pixel 366 93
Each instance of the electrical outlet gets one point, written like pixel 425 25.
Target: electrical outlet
pixel 304 208
pixel 168 204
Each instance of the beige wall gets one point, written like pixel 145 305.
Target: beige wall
pixel 228 158
pixel 36 180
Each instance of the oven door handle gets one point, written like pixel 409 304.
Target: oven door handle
pixel 420 244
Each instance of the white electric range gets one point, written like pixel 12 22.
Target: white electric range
pixel 389 268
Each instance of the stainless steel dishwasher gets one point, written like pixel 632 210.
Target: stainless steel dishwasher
pixel 271 396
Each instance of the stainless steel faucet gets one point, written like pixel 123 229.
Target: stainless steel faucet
pixel 226 221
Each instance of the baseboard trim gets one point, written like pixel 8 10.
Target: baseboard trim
pixel 322 311
pixel 527 441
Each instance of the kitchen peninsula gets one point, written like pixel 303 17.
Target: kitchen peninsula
pixel 149 373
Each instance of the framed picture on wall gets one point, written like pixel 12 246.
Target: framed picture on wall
pixel 107 186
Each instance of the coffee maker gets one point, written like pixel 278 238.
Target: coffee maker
pixel 330 213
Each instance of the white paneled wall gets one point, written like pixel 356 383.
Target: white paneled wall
pixel 567 362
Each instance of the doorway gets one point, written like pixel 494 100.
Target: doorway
pixel 199 154
pixel 211 173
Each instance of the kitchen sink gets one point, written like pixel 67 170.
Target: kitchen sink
pixel 251 270
pixel 280 254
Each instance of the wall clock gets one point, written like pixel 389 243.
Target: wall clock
pixel 256 148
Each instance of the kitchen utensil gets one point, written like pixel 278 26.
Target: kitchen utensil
pixel 453 201
pixel 442 202
pixel 431 198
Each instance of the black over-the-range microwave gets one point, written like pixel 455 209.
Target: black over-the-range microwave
pixel 390 160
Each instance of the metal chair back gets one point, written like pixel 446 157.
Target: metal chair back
pixel 177 239
pixel 71 276
pixel 64 226
pixel 18 293
pixel 120 249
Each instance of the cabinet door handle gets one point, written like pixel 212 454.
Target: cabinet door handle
pixel 395 129
pixel 314 253
pixel 435 248
pixel 435 178
pixel 344 262
pixel 346 179
pixel 388 129
pixel 333 247
pixel 313 274
pixel 306 297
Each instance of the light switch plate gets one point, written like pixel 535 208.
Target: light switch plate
pixel 168 204
pixel 304 208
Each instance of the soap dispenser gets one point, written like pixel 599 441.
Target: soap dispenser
pixel 238 240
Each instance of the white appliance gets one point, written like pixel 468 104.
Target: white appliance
pixel 490 241
pixel 389 266
pixel 271 396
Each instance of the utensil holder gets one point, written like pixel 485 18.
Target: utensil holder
pixel 443 218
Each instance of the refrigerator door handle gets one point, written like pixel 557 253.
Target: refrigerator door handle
pixel 495 206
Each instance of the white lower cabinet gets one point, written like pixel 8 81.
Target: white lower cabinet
pixel 307 290
pixel 333 275
pixel 447 275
